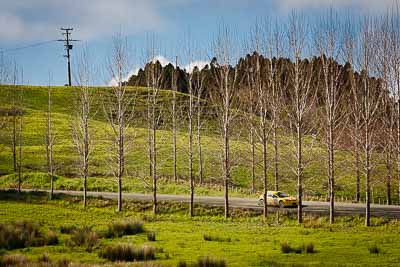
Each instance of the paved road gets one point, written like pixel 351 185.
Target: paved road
pixel 313 207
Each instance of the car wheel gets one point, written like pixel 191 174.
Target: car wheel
pixel 261 202
pixel 281 205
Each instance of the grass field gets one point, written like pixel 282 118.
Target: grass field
pixel 34 162
pixel 244 240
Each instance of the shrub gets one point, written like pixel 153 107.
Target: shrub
pixel 151 236
pixel 84 237
pixel 24 234
pixel 44 258
pixel 51 238
pixel 285 247
pixel 210 262
pixel 13 260
pixel 125 252
pixel 374 249
pixel 310 248
pixel 208 237
pixel 67 229
pixel 118 229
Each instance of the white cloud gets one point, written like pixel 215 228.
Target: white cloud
pixel 363 5
pixel 27 20
pixel 197 63
pixel 114 82
pixel 164 62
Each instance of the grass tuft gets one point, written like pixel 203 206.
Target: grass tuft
pixel 67 229
pixel 24 234
pixel 307 248
pixel 118 229
pixel 210 262
pixel 13 260
pixel 374 249
pixel 126 252
pixel 208 237
pixel 84 237
pixel 151 236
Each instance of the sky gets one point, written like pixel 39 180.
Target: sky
pixel 28 29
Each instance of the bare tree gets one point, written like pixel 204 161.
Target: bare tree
pixel 17 123
pixel 50 140
pixel 174 90
pixel 199 105
pixel 328 46
pixel 389 105
pixel 275 49
pixel 119 111
pixel 371 95
pixel 394 36
pixel 81 134
pixel 261 85
pixel 354 101
pixel 4 79
pixel 153 77
pixel 301 98
pixel 190 76
pixel 225 99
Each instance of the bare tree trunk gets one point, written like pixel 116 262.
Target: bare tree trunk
pixel 299 171
pixel 357 159
pixel 119 112
pixel 49 143
pixel 190 135
pixel 154 150
pixel 276 153
pixel 149 133
pixel 253 158
pixel 199 148
pixel 389 169
pixel 227 175
pixel 265 167
pixel 20 129
pixel 174 89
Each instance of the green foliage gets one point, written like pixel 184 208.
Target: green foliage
pixel 126 252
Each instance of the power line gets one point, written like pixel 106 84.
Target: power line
pixel 10 50
pixel 68 46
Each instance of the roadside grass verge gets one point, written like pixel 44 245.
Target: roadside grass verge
pixel 254 242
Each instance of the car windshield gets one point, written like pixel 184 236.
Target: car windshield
pixel 281 194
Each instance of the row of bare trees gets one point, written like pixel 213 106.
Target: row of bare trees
pixel 324 83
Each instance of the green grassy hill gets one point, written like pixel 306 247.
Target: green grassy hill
pixel 34 105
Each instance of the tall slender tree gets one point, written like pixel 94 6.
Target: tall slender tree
pixel 225 99
pixel 81 132
pixel 302 98
pixel 50 138
pixel 119 111
pixel 328 47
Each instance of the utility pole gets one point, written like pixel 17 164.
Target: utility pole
pixel 68 46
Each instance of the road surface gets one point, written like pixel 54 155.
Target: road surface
pixel 312 207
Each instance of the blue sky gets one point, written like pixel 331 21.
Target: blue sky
pixel 95 22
